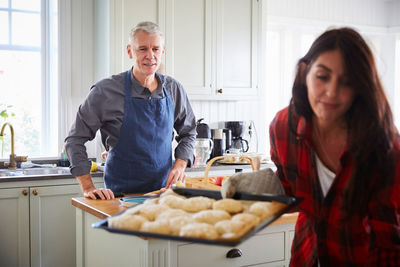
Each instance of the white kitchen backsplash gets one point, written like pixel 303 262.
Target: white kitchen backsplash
pixel 216 112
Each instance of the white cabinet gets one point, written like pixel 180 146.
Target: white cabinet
pixel 38 222
pixel 212 46
pixel 98 247
pixel 262 248
pixel 52 227
pixel 14 230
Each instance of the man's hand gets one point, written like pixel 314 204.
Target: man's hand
pixel 177 173
pixel 92 192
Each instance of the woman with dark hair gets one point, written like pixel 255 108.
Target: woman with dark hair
pixel 336 147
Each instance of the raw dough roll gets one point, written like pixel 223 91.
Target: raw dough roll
pixel 229 205
pixel 127 222
pixel 195 204
pixel 211 216
pixel 172 201
pixel 151 211
pixel 159 227
pixel 199 230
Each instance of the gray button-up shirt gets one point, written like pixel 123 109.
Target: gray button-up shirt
pixel 104 109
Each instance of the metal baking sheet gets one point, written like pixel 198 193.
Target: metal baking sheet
pixel 291 202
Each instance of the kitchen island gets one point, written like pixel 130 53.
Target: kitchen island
pixel 98 247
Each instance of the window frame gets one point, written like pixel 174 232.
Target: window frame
pixel 49 134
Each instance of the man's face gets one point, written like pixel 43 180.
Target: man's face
pixel 146 51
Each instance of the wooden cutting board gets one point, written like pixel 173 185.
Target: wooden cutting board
pixel 198 182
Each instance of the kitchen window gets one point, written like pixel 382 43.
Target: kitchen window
pixel 29 75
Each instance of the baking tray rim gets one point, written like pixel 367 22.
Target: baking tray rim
pixel 291 203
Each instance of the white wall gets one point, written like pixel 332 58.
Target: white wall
pixel 377 20
pixel 374 16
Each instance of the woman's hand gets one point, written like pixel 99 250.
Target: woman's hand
pixel 177 173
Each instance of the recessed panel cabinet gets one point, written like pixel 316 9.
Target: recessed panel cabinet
pixel 212 46
pixel 38 224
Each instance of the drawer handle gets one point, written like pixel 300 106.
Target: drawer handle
pixel 234 253
pixel 35 192
pixel 219 91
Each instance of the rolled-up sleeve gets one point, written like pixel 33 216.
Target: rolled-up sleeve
pixel 87 122
pixel 184 125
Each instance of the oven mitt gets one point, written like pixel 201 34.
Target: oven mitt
pixel 257 182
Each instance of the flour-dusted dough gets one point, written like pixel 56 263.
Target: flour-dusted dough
pixel 195 204
pixel 171 213
pixel 178 222
pixel 211 216
pixel 127 222
pixel 159 227
pixel 170 192
pixel 151 211
pixel 261 209
pixel 172 201
pixel 247 219
pixel 150 201
pixel 229 226
pixel 199 230
pixel 229 205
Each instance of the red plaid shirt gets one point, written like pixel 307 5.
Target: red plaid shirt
pixel 371 240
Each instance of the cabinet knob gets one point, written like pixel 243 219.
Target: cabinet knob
pixel 35 192
pixel 25 192
pixel 234 253
pixel 219 91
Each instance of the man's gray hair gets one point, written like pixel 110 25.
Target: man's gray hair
pixel 146 26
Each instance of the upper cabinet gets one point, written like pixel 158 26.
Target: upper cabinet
pixel 212 46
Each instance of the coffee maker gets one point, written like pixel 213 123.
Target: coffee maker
pixel 203 145
pixel 237 129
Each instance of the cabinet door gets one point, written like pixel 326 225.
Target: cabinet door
pixel 188 44
pixel 124 15
pixel 14 227
pixel 237 38
pixel 53 234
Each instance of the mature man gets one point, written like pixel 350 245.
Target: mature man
pixel 136 112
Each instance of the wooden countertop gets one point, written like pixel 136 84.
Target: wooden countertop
pixel 106 208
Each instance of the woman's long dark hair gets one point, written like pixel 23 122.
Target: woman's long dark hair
pixel 370 124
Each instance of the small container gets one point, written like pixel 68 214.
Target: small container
pixel 64 161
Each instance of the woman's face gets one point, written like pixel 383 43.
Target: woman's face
pixel 329 92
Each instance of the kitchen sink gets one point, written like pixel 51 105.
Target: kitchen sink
pixel 35 172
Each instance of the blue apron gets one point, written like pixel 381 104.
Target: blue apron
pixel 142 158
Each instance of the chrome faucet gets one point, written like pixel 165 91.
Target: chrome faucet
pixel 12 164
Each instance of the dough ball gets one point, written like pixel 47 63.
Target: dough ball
pixel 151 211
pixel 211 216
pixel 171 213
pixel 229 226
pixel 195 204
pixel 172 201
pixel 133 210
pixel 159 227
pixel 247 218
pixel 229 205
pixel 177 223
pixel 261 209
pixel 127 222
pixel 150 201
pixel 199 230
pixel 170 192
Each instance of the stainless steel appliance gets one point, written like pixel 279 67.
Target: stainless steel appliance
pixel 237 128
